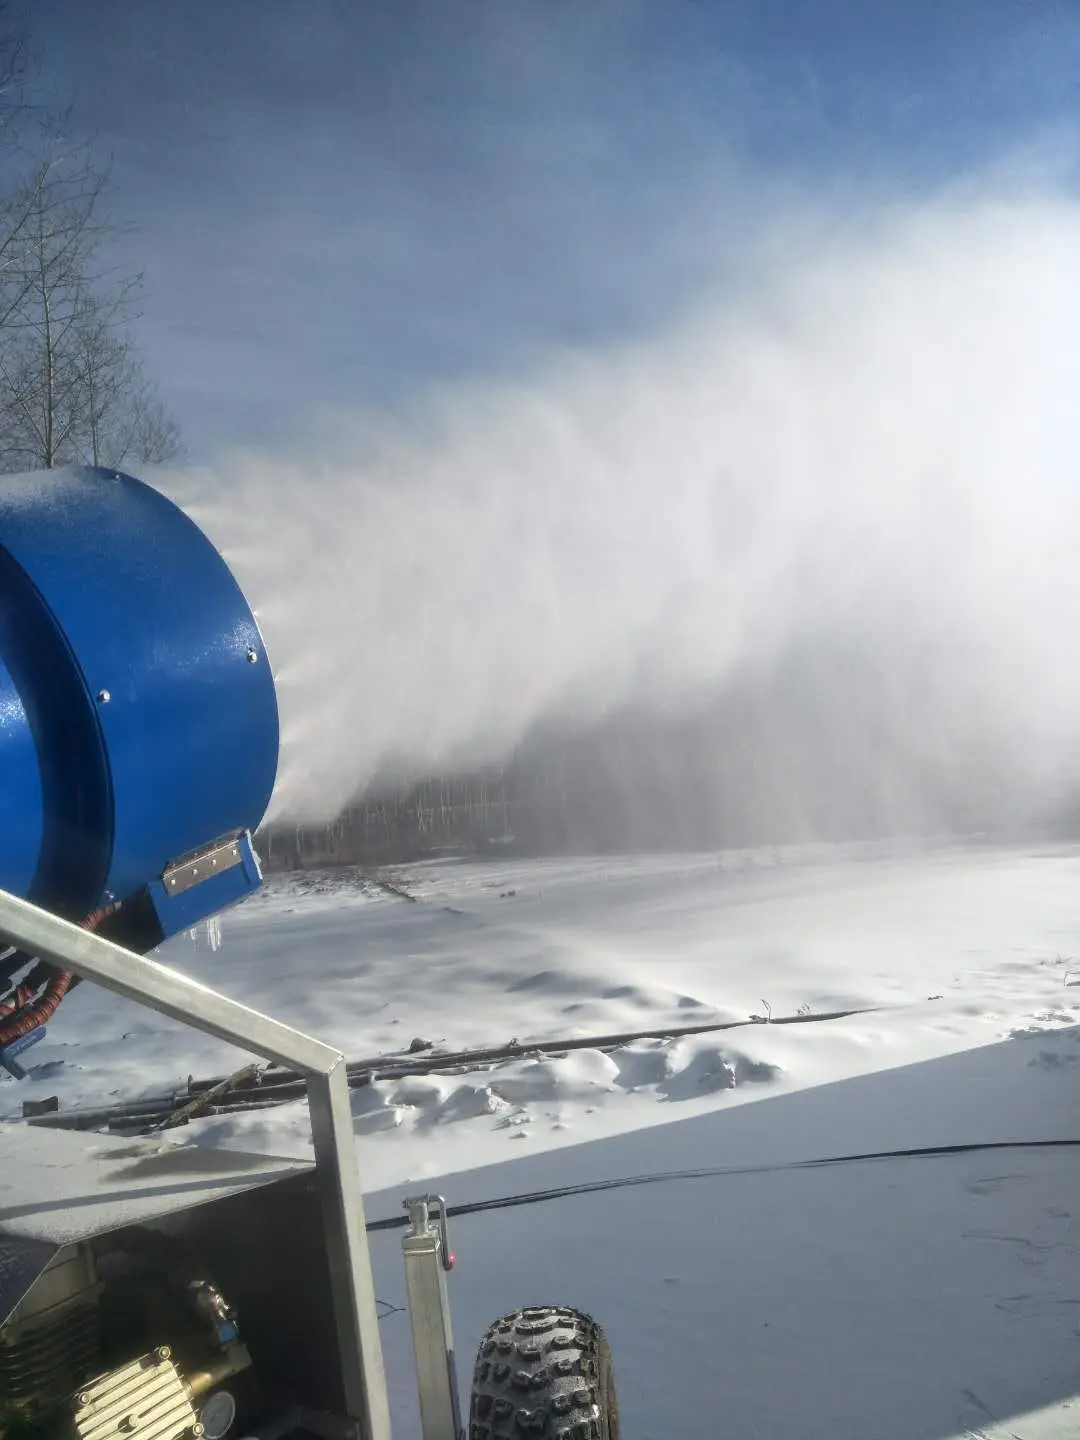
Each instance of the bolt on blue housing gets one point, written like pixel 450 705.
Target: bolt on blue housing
pixel 138 717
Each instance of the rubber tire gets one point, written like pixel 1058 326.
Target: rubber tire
pixel 544 1372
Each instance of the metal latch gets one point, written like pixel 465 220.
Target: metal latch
pixel 420 1220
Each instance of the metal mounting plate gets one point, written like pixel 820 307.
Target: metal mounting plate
pixel 192 870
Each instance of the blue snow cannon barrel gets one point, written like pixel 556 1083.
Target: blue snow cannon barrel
pixel 138 718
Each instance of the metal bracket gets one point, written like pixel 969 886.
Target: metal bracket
pixel 193 869
pixel 16 1047
pixel 428 1261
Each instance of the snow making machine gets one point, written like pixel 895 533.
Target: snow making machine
pixel 148 1290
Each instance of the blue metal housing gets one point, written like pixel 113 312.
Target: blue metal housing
pixel 138 719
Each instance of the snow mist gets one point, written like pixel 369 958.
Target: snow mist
pixel 865 468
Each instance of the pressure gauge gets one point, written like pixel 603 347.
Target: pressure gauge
pixel 217 1415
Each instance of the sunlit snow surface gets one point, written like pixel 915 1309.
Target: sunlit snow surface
pixel 924 1298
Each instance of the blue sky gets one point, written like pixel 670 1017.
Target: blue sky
pixel 337 203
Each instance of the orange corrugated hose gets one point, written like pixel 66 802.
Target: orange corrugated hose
pixel 25 1012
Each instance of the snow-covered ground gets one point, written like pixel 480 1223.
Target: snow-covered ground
pixel 920 1298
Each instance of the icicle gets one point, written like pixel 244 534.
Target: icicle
pixel 207 932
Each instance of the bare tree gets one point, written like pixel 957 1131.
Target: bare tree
pixel 16 64
pixel 123 417
pixel 52 246
pixel 72 388
pixel 153 434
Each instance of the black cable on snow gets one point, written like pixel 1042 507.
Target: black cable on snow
pixel 624 1182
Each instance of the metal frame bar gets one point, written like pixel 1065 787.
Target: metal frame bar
pixel 169 992
pixel 425 1247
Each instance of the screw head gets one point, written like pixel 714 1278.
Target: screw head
pixel 252 655
pixel 103 697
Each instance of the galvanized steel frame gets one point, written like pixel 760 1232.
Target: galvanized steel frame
pixel 169 992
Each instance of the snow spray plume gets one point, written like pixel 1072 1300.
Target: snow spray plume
pixel 877 452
